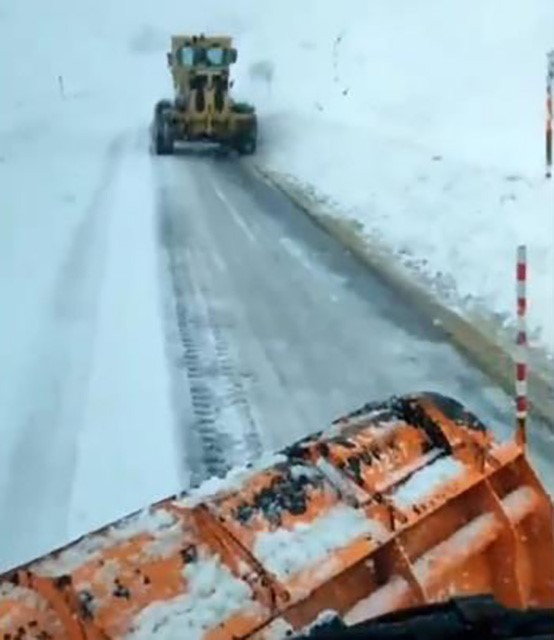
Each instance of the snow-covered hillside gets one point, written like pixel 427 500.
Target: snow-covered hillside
pixel 423 120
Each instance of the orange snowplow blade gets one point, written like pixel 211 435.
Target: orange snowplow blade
pixel 400 503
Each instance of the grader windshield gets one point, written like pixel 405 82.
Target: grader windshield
pixel 213 56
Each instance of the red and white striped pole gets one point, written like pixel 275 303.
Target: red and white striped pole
pixel 521 351
pixel 548 132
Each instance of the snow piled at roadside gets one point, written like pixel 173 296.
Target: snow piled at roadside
pixel 285 552
pixel 453 225
pixel 213 595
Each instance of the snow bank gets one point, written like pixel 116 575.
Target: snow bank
pixel 454 226
pixel 127 420
pixel 426 481
pixel 213 595
pixel 285 552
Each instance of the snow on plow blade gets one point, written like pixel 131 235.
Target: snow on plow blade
pixel 398 504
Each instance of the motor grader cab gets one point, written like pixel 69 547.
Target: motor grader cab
pixel 202 109
pixel 399 506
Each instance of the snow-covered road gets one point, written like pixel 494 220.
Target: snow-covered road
pixel 198 319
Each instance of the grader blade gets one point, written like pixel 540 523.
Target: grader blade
pixel 400 504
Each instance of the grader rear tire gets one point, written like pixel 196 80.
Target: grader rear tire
pixel 163 136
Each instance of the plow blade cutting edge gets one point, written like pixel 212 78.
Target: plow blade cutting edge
pixel 402 503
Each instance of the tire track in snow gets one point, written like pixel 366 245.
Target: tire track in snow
pixel 202 362
pixel 54 392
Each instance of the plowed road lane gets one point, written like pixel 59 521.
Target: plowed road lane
pixel 280 329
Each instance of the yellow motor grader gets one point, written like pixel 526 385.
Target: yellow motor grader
pixel 202 109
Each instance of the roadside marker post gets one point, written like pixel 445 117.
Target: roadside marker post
pixel 549 117
pixel 521 346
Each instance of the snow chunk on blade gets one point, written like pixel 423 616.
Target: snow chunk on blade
pixel 288 551
pixel 153 522
pixel 15 603
pixel 233 481
pixel 27 597
pixel 213 596
pixel 423 483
